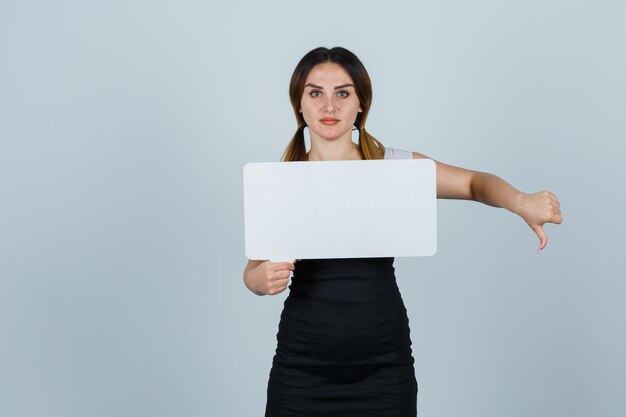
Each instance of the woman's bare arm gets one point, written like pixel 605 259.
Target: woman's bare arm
pixel 464 184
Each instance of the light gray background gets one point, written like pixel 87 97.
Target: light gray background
pixel 124 128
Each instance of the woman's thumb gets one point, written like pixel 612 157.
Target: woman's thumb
pixel 543 238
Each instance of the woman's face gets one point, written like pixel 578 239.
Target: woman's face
pixel 329 102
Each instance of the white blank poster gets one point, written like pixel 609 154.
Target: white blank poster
pixel 340 209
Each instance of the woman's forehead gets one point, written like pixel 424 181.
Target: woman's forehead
pixel 328 73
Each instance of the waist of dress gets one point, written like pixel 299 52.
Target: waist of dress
pixel 344 265
pixel 343 270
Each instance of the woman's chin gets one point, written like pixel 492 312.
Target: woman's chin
pixel 332 136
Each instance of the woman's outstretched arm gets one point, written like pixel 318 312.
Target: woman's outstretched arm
pixel 464 184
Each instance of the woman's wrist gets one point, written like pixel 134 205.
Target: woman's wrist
pixel 517 202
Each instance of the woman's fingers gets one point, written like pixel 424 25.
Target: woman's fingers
pixel 280 275
pixel 279 266
pixel 276 276
pixel 278 285
pixel 277 270
pixel 278 290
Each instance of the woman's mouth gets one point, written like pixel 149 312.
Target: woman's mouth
pixel 329 121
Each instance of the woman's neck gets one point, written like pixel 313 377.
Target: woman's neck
pixel 334 151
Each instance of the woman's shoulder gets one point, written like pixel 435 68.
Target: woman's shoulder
pixel 395 153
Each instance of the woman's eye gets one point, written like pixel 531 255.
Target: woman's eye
pixel 315 93
pixel 343 94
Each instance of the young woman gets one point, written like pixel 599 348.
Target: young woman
pixel 343 341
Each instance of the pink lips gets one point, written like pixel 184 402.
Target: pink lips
pixel 329 121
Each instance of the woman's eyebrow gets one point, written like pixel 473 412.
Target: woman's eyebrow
pixel 336 88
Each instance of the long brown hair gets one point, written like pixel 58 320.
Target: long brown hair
pixel 369 147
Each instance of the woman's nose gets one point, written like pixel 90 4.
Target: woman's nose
pixel 330 104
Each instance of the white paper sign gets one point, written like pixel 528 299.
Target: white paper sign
pixel 340 209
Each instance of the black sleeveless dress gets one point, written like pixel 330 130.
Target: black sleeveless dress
pixel 343 343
